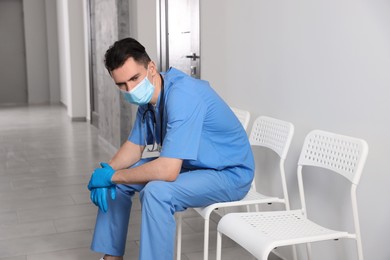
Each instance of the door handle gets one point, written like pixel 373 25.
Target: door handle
pixel 193 56
pixel 193 71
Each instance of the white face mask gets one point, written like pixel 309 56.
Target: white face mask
pixel 141 94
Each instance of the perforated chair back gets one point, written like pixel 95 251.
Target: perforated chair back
pixel 242 115
pixel 272 133
pixel 342 154
pixel 276 135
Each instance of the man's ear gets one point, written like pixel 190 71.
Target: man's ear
pixel 153 68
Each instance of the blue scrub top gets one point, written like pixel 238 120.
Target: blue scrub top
pixel 198 126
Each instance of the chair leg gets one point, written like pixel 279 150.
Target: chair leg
pixel 206 239
pixel 219 245
pixel 295 256
pixel 178 236
pixel 308 251
pixel 359 249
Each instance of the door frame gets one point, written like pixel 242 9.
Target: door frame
pixel 93 110
pixel 162 36
pixel 162 39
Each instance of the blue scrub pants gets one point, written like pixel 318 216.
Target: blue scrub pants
pixel 160 200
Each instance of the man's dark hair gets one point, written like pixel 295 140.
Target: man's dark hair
pixel 123 49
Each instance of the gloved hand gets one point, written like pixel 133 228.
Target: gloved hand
pixel 99 197
pixel 101 177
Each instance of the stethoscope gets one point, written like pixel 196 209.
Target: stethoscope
pixel 155 147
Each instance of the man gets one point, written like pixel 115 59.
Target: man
pixel 205 156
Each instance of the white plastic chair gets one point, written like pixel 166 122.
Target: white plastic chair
pixel 260 232
pixel 266 132
pixel 242 115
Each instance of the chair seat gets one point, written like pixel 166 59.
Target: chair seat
pixel 251 198
pixel 261 232
pixel 255 196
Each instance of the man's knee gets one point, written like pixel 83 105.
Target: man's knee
pixel 156 191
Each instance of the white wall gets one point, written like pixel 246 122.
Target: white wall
pixel 78 59
pixel 52 50
pixel 36 51
pixel 319 64
pixel 64 50
pixel 74 79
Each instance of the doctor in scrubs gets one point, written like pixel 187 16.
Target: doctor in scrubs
pixel 204 155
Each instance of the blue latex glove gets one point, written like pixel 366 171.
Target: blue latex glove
pixel 101 177
pixel 99 197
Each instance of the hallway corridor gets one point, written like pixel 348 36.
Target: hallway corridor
pixel 45 212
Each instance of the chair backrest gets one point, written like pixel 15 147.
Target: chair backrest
pixel 272 133
pixel 242 115
pixel 342 154
pixel 276 135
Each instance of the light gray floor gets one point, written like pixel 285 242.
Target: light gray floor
pixel 45 213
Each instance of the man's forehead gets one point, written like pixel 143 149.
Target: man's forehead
pixel 130 70
pixel 129 67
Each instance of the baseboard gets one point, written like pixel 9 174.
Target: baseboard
pixel 79 119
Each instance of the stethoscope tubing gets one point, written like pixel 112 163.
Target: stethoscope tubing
pixel 154 123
